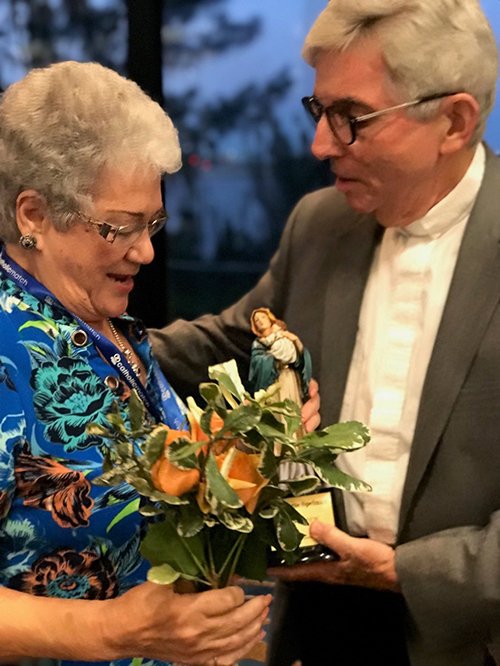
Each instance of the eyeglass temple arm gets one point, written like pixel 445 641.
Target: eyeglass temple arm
pixel 405 105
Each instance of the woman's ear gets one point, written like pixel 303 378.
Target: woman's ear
pixel 462 114
pixel 31 214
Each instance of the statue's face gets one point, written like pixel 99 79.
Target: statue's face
pixel 261 321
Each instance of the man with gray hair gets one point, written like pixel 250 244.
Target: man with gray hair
pixel 392 281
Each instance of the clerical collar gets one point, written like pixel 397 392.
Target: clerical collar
pixel 456 206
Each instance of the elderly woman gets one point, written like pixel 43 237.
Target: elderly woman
pixel 82 153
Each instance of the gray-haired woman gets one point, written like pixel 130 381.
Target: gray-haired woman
pixel 82 153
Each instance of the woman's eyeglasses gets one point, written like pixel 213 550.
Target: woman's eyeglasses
pixel 126 234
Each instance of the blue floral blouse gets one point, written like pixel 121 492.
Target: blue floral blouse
pixel 60 535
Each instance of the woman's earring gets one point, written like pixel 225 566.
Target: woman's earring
pixel 27 242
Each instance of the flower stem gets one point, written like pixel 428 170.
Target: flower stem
pixel 235 548
pixel 237 556
pixel 200 566
pixel 211 560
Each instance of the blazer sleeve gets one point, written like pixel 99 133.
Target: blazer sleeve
pixel 185 349
pixel 451 584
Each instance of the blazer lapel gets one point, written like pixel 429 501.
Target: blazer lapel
pixel 350 262
pixel 474 294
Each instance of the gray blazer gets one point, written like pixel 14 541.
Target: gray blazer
pixel 448 551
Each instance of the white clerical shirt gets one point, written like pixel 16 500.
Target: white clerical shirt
pixel 400 314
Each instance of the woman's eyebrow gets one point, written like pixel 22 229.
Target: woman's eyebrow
pixel 137 215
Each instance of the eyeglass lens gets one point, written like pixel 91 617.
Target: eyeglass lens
pixel 338 121
pixel 132 233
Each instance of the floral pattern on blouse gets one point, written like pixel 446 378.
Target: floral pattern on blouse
pixel 60 535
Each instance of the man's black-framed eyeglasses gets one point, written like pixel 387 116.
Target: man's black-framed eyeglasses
pixel 344 126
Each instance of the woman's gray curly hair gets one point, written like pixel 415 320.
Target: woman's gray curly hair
pixel 60 126
pixel 429 46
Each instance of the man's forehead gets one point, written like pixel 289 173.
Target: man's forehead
pixel 358 74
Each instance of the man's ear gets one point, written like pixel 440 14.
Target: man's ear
pixel 462 114
pixel 31 214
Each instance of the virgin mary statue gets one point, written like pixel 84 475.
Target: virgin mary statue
pixel 278 355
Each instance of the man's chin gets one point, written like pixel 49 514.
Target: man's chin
pixel 360 204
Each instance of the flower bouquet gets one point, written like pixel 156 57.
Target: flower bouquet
pixel 215 493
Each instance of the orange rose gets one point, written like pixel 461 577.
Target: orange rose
pixel 197 434
pixel 245 478
pixel 169 478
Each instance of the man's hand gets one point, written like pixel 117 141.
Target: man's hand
pixel 362 562
pixel 310 411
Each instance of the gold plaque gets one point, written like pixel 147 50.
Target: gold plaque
pixel 313 507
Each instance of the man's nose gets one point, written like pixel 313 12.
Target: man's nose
pixel 326 144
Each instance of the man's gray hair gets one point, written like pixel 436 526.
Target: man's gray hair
pixel 429 46
pixel 60 126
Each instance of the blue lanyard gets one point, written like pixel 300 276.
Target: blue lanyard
pixel 170 409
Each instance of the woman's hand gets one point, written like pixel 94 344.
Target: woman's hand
pixel 310 411
pixel 214 627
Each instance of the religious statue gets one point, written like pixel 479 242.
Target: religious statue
pixel 278 356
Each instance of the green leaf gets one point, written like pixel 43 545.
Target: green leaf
pixel 190 520
pixel 124 450
pixel 212 394
pixel 273 429
pixel 154 444
pixel 252 564
pixel 347 436
pixel 240 420
pixel 137 411
pixel 99 430
pixel 270 419
pixel 254 440
pixel 131 507
pixel 235 521
pixel 107 462
pixel 171 500
pixel 337 479
pixel 163 545
pixel 289 537
pixel 293 513
pixel 227 375
pixel 303 485
pixel 219 487
pixel 140 484
pixel 149 511
pixel 269 511
pixel 267 465
pixel 292 424
pixel 286 408
pixel 116 421
pixel 206 422
pixel 163 574
pixel 291 413
pixel 112 477
pixel 182 453
pixel 270 493
pixel 115 418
